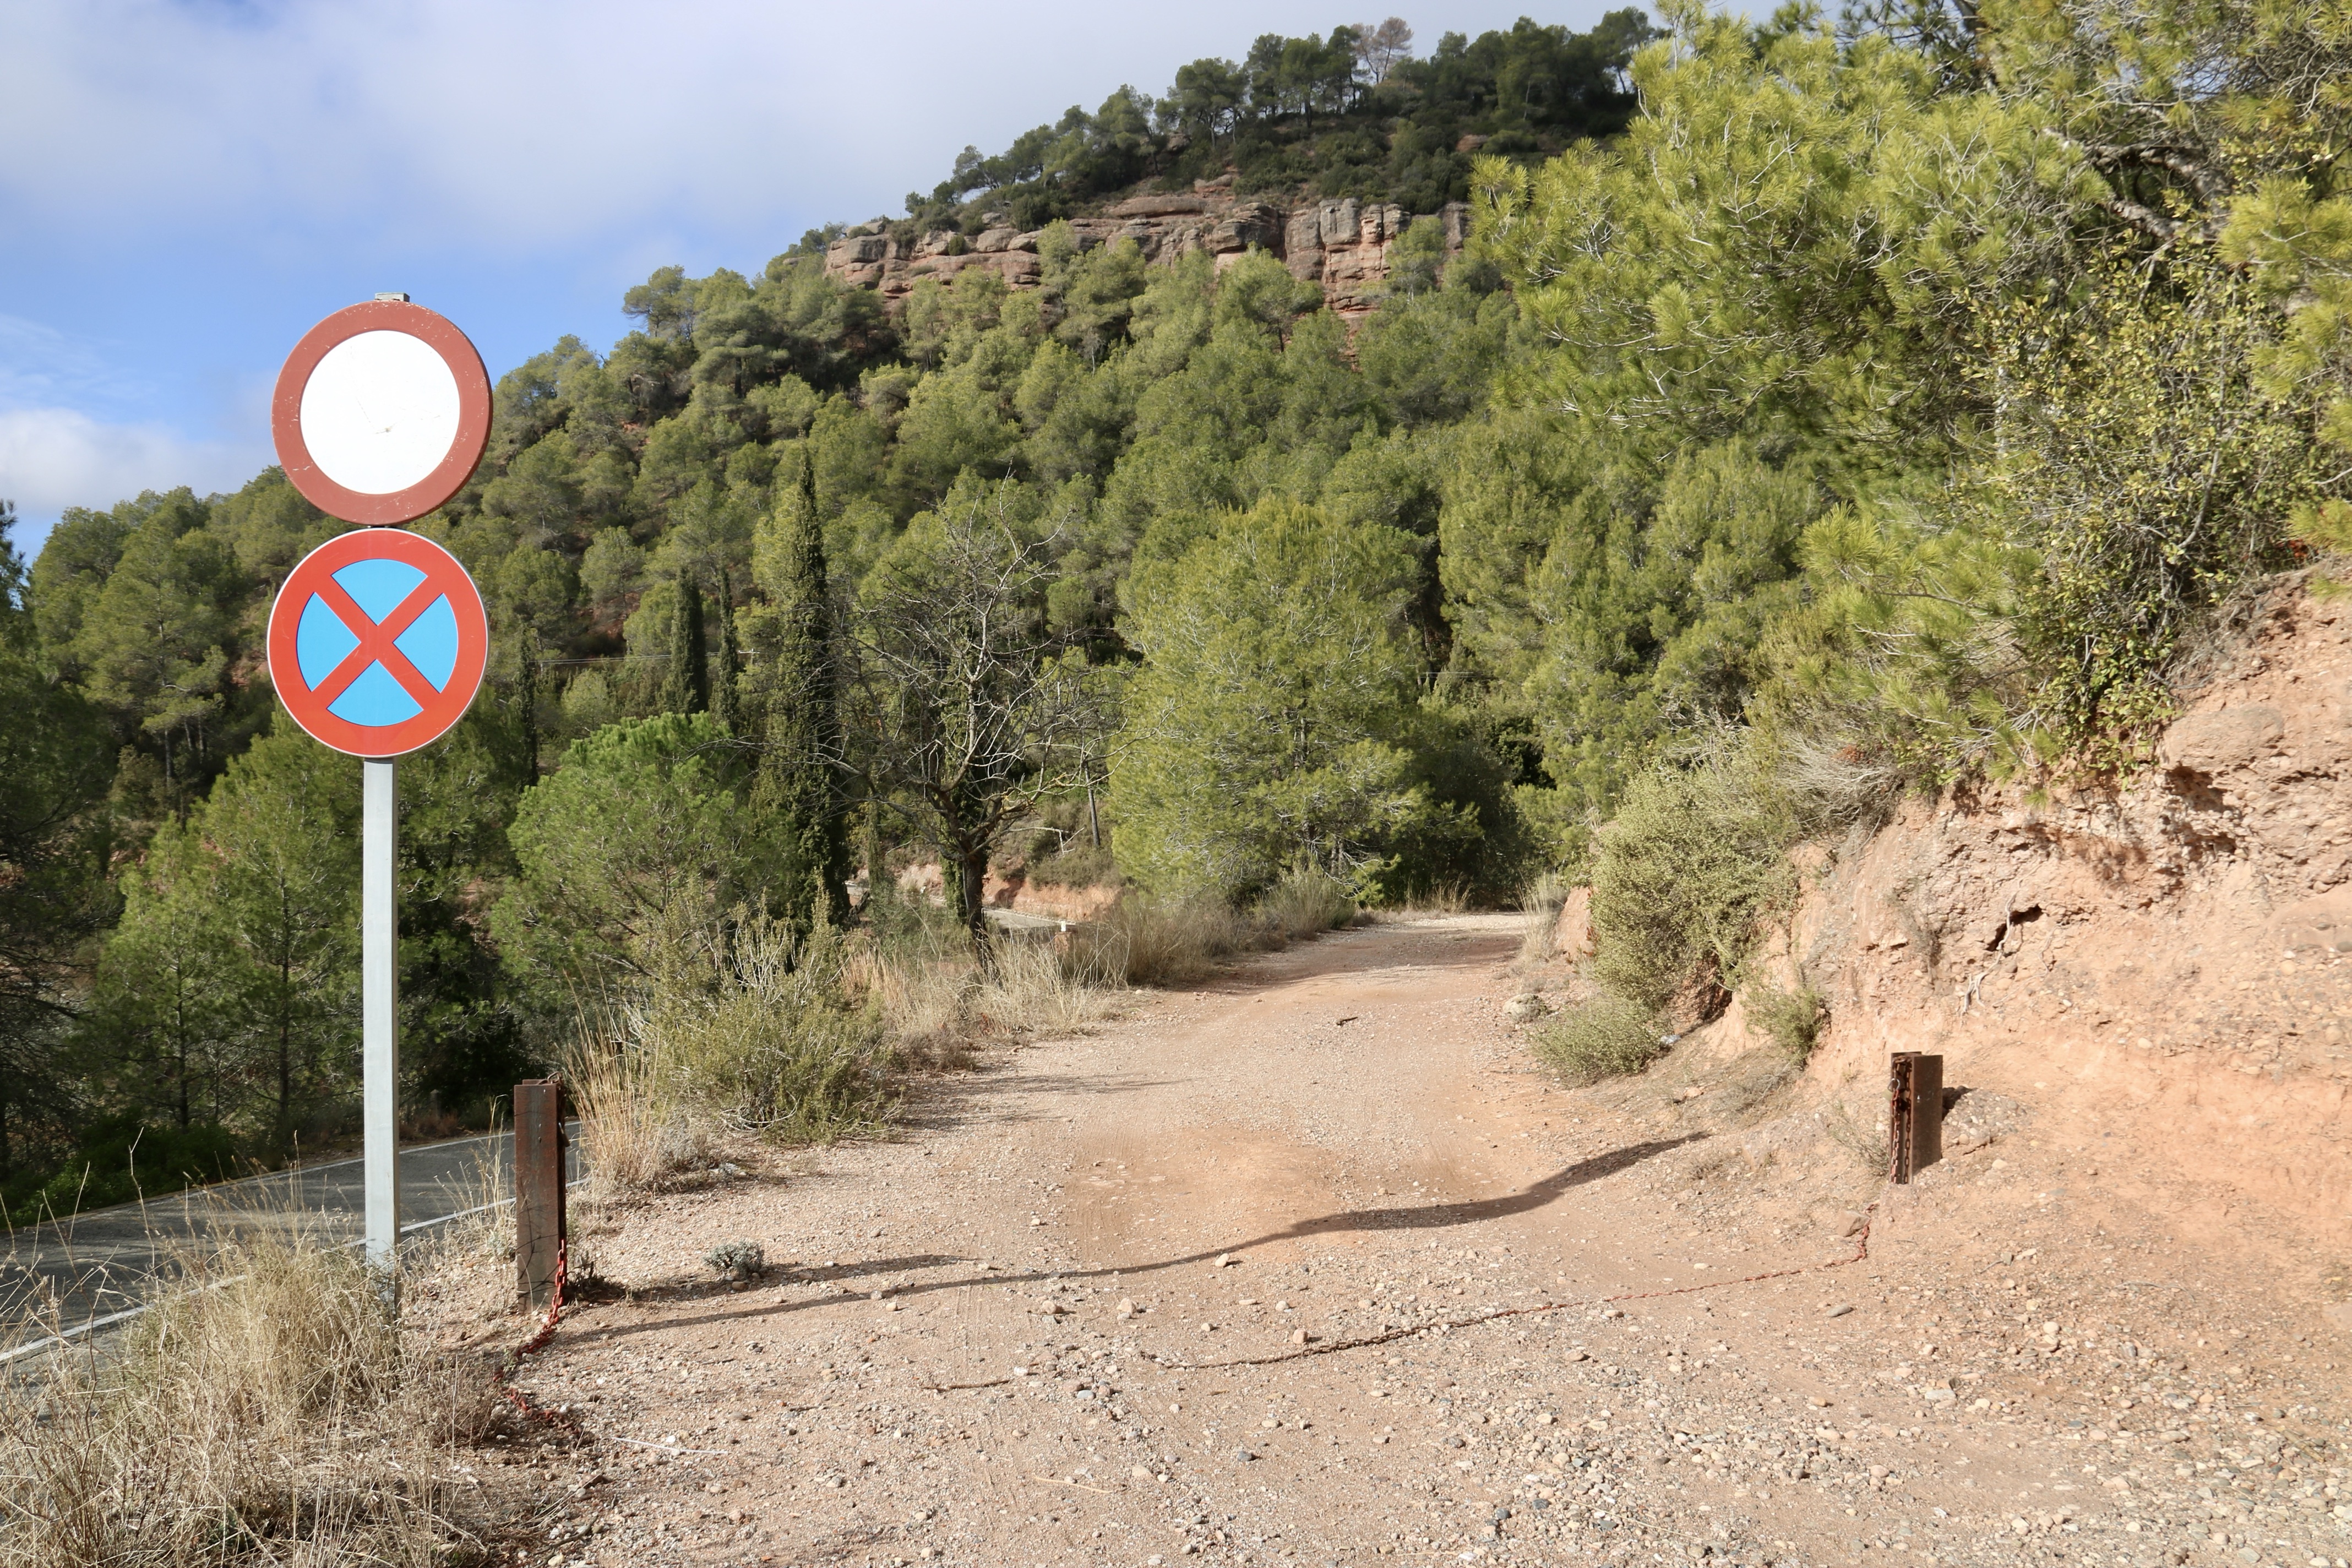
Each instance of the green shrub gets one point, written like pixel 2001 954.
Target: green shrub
pixel 122 1159
pixel 641 827
pixel 1607 1036
pixel 759 1036
pixel 1695 859
pixel 1079 866
pixel 1792 1018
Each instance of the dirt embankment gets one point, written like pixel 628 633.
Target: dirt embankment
pixel 2156 976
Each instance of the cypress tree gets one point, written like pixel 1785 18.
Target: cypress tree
pixel 801 724
pixel 686 689
pixel 723 667
pixel 529 698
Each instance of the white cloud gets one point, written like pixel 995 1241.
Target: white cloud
pixel 51 458
pixel 521 123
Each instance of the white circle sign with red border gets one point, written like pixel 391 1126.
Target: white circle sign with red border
pixel 381 413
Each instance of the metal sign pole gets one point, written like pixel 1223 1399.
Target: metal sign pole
pixel 377 638
pixel 380 1017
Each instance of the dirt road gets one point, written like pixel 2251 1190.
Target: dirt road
pixel 1018 1333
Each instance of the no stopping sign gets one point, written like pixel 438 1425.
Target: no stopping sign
pixel 377 642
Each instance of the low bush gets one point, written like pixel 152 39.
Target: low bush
pixel 1696 859
pixel 1079 866
pixel 1606 1036
pixel 762 1036
pixel 739 1028
pixel 122 1159
pixel 1792 1018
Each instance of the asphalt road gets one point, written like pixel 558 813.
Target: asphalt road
pixel 76 1274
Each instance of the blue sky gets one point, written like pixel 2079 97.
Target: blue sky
pixel 188 184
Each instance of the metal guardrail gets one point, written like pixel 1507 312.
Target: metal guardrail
pixel 103 1321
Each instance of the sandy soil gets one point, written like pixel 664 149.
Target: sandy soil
pixel 1009 1335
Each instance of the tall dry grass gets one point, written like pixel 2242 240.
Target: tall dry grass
pixel 937 1000
pixel 266 1410
pixel 1167 942
pixel 1172 942
pixel 1541 899
pixel 746 1031
pixel 634 1133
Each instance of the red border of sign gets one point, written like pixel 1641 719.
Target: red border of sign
pixel 440 568
pixel 473 413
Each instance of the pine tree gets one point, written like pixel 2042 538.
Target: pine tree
pixel 801 730
pixel 723 702
pixel 687 688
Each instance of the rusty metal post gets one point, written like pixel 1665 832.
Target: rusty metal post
pixel 1914 1114
pixel 538 1186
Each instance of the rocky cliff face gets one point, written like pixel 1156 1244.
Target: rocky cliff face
pixel 1341 245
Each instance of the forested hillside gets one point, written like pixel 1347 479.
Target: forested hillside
pixel 1847 408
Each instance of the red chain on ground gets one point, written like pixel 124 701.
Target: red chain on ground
pixel 504 1377
pixel 1860 1251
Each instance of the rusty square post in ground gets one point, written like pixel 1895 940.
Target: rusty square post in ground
pixel 1914 1114
pixel 538 1185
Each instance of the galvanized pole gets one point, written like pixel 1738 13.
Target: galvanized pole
pixel 379 1019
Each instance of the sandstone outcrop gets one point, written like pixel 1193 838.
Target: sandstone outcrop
pixel 1341 245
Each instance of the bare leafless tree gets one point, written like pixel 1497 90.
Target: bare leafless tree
pixel 1379 48
pixel 962 711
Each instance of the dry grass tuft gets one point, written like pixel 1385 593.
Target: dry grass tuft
pixel 1542 899
pixel 1304 904
pixel 1054 987
pixel 1172 942
pixel 635 1134
pixel 265 1411
pixel 936 1000
pixel 939 1004
pixel 1867 1148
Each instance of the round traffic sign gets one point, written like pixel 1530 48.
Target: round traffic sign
pixel 377 642
pixel 381 413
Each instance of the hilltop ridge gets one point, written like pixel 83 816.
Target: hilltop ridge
pixel 1320 151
